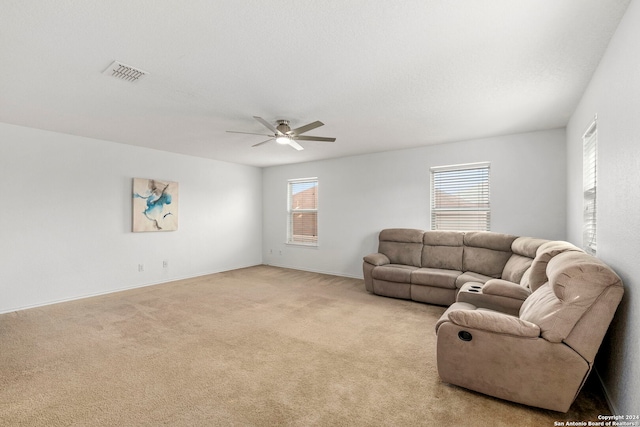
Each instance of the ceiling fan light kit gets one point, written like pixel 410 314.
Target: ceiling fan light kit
pixel 283 134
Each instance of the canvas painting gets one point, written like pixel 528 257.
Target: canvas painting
pixel 155 205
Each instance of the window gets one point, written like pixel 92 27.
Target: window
pixel 589 184
pixel 460 197
pixel 302 211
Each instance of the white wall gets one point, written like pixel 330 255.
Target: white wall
pixel 614 95
pixel 360 195
pixel 66 217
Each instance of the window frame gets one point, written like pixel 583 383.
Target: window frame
pixel 484 195
pixel 589 188
pixel 291 211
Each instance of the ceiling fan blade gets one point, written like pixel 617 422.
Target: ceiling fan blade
pixel 295 145
pixel 314 138
pixel 248 133
pixel 306 128
pixel 268 125
pixel 263 142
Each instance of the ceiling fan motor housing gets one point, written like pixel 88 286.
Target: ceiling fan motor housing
pixel 283 126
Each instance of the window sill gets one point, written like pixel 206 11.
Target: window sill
pixel 303 245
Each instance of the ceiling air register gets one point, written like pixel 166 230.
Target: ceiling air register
pixel 124 72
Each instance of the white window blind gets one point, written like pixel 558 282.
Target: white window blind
pixel 302 211
pixel 589 184
pixel 460 197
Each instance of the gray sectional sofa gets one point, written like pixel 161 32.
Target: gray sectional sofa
pixel 513 302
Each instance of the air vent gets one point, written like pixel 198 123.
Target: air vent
pixel 124 72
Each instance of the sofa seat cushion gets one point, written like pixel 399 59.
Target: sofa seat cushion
pixel 470 276
pixel 437 277
pixel 394 273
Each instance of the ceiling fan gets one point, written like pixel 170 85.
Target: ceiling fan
pixel 283 134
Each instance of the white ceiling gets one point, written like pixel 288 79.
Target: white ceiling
pixel 381 75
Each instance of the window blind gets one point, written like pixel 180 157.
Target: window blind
pixel 302 211
pixel 589 185
pixel 460 197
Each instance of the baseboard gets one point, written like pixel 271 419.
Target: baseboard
pixel 612 407
pixel 331 273
pixel 124 288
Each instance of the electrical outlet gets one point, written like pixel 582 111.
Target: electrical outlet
pixel 280 251
pixel 165 264
pixel 140 268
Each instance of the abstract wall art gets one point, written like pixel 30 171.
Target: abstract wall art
pixel 155 205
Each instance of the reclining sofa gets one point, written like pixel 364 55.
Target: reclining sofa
pixel 437 267
pixel 526 316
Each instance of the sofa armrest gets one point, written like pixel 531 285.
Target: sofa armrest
pixel 377 259
pixel 504 288
pixel 494 322
pixel 497 294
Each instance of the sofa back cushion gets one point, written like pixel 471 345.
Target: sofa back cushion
pixel 486 253
pixel 538 272
pixel 401 245
pixel 443 249
pixel 576 281
pixel 523 252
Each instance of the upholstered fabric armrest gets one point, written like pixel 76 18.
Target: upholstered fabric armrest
pixel 377 259
pixel 504 288
pixel 494 322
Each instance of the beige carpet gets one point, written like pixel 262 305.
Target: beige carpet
pixel 256 346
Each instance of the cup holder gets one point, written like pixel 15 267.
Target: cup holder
pixel 474 290
pixel 476 286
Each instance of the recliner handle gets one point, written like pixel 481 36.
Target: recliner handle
pixel 465 336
